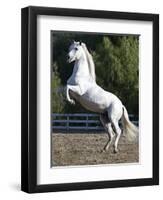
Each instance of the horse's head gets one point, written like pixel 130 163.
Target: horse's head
pixel 75 51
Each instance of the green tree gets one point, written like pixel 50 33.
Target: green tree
pixel 117 69
pixel 58 102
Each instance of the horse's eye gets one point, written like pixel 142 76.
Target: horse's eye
pixel 76 49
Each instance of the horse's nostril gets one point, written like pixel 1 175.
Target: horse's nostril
pixel 68 58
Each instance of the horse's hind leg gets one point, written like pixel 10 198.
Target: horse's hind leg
pixel 111 136
pixel 109 130
pixel 118 134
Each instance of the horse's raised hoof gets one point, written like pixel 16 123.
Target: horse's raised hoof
pixel 72 102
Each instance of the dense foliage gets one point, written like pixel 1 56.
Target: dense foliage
pixel 116 60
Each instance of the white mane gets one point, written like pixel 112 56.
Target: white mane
pixel 90 61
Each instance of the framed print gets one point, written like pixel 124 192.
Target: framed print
pixel 90 99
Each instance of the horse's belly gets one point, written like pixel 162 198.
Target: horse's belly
pixel 94 103
pixel 94 107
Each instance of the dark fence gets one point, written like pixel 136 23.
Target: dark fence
pixel 80 121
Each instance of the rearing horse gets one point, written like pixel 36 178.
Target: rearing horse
pixel 82 87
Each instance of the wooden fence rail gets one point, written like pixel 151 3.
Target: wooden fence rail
pixel 80 121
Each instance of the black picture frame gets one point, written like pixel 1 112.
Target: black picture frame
pixel 29 99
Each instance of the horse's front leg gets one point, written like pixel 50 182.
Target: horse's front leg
pixel 74 88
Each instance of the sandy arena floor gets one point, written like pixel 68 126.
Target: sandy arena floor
pixel 86 149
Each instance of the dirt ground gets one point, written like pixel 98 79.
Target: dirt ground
pixel 86 149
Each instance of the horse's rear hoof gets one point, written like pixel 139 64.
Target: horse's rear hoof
pixel 116 151
pixel 104 150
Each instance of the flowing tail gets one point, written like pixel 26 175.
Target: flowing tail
pixel 129 129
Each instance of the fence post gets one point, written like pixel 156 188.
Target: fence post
pixel 87 122
pixel 67 123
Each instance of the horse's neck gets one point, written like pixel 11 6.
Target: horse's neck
pixel 81 67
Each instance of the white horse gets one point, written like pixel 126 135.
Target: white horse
pixel 82 87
